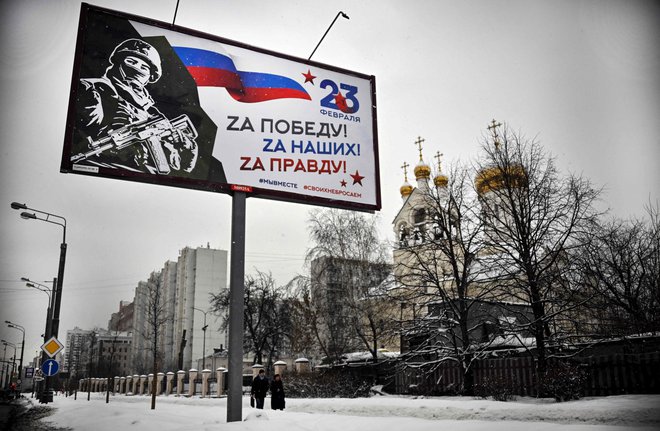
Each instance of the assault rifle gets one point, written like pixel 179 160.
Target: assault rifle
pixel 149 131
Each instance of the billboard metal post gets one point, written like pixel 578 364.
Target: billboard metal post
pixel 236 292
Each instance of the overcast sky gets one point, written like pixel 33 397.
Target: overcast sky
pixel 583 77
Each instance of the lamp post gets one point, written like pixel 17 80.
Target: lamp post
pixel 51 294
pixel 326 32
pixel 60 221
pixel 8 371
pixel 49 311
pixel 13 359
pixel 203 342
pixel 4 367
pixel 57 300
pixel 36 367
pixel 20 364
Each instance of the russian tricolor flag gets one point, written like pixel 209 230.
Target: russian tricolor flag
pixel 213 69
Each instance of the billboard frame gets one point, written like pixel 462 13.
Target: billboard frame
pixel 66 165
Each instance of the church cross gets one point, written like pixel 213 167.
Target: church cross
pixel 437 157
pixel 405 170
pixel 418 142
pixel 493 129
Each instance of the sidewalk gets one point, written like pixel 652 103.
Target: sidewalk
pixel 10 410
pixel 6 410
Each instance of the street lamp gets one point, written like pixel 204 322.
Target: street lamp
pixel 4 367
pixel 22 329
pixel 57 300
pixel 326 32
pixel 9 372
pixel 204 342
pixel 49 311
pixel 60 221
pixel 13 359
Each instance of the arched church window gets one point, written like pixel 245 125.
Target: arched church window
pixel 403 236
pixel 419 216
pixel 417 235
pixel 436 232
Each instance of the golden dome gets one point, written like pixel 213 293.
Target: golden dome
pixel 422 171
pixel 495 178
pixel 406 189
pixel 441 180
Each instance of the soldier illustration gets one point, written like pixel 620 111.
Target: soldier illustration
pixel 119 123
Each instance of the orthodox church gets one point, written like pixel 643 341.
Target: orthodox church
pixel 417 229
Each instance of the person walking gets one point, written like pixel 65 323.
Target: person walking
pixel 277 393
pixel 259 388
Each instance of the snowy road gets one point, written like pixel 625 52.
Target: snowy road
pixel 638 412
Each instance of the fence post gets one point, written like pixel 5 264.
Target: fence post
pixel 192 375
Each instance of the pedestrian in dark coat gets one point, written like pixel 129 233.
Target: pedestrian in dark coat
pixel 277 393
pixel 259 388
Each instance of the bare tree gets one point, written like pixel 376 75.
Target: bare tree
pixel 438 261
pixel 111 367
pixel 91 341
pixel 307 324
pixel 302 335
pixel 154 307
pixel 622 266
pixel 347 262
pixel 532 216
pixel 266 316
pixel 374 319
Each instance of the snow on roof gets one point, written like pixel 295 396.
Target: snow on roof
pixel 367 356
pixel 510 341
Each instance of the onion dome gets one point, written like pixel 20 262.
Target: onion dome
pixel 422 170
pixel 493 178
pixel 497 178
pixel 406 189
pixel 440 180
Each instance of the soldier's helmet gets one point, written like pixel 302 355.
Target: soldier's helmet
pixel 141 49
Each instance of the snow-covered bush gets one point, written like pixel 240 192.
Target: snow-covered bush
pixel 499 388
pixel 326 384
pixel 562 381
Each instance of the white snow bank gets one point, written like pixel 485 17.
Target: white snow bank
pixel 617 413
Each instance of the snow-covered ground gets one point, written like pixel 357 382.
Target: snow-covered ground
pixel 626 412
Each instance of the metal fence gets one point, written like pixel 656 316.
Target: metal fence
pixel 603 375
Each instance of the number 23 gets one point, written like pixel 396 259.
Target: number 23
pixel 329 100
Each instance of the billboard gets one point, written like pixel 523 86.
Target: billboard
pixel 156 103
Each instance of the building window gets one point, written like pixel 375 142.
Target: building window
pixel 419 216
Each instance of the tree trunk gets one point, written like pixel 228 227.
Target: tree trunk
pixel 466 358
pixel 539 334
pixel 154 382
pixel 468 375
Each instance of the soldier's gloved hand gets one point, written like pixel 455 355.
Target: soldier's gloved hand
pixel 181 152
pixel 140 155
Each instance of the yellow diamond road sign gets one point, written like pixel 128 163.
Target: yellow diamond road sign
pixel 52 347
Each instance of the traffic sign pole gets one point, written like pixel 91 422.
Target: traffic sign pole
pixel 50 367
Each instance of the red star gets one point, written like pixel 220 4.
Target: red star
pixel 357 178
pixel 309 77
pixel 343 183
pixel 340 101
